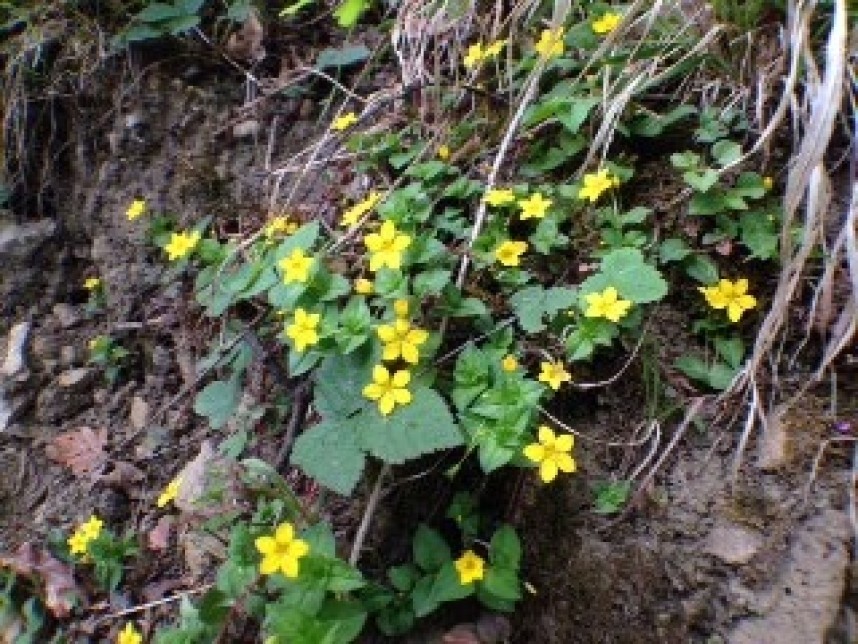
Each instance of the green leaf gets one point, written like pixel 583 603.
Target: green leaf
pixel 339 383
pixel 295 7
pixel 502 583
pixel 701 180
pixel 505 548
pixel 673 250
pixel 685 160
pixel 158 12
pixel 391 284
pixel 421 427
pixel 710 203
pixel 181 24
pixel 721 375
pixel 760 235
pixel 547 236
pixel 343 57
pixel 403 577
pixel 611 496
pixel 726 152
pixel 429 549
pixel 732 350
pixel 329 453
pixel 422 598
pixel 303 238
pixel 447 587
pixel 217 401
pixel 701 268
pixel 634 279
pixel 574 116
pixel 750 184
pixel 693 367
pixel 350 11
pixel 533 303
pixel 431 282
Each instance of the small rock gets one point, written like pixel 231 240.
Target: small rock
pixel 66 315
pixel 139 416
pixel 733 544
pixel 15 361
pixel 71 355
pixel 246 129
pixel 775 449
pixel 74 377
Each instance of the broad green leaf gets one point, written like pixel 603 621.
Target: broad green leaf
pixel 673 250
pixel 760 235
pixel 328 452
pixel 701 181
pixel 343 57
pixel 350 11
pixel 732 350
pixel 431 282
pixel 422 598
pixel 421 427
pixel 574 116
pixel 634 279
pixel 158 12
pixel 447 586
pixel 505 548
pixel 180 24
pixel 685 160
pixel 503 583
pixel 750 184
pixel 721 375
pixel 403 577
pixel 726 152
pixel 709 203
pixel 303 238
pixel 693 367
pixel 701 268
pixel 217 401
pixel 339 383
pixel 429 549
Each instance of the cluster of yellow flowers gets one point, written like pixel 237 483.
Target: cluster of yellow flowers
pixel 400 341
pixel 354 214
pixel 281 551
pixel 181 244
pixel 85 534
pixel 477 54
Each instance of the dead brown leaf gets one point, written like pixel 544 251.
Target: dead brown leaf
pixel 61 593
pixel 158 537
pixel 81 450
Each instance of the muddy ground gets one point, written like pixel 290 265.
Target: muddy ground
pixel 697 558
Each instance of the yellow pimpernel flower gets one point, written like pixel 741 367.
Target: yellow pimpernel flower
pixel 169 493
pixel 607 304
pixel 474 55
pixel 80 539
pixel 354 214
pixel 499 197
pixel 493 49
pixel 444 153
pixel 92 527
pixel 509 253
pixel 470 566
pixel 550 43
pixel 344 122
pixel 304 330
pixel 92 283
pixel 281 552
pixel 386 247
pixel 388 390
pixel 279 227
pixel 607 23
pixel 401 340
pixel 552 453
pixel 363 286
pixel 768 183
pixel 534 207
pixel 136 209
pixel 129 635
pixel 296 267
pixel 182 244
pixel 732 296
pixel 400 308
pixel 78 543
pixel 553 374
pixel 595 183
pixel 509 363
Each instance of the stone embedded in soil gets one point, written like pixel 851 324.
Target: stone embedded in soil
pixel 66 315
pixel 733 544
pixel 139 415
pixel 775 448
pixel 803 604
pixel 15 361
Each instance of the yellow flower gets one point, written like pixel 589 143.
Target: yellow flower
pixel 550 43
pixel 279 227
pixel 80 539
pixel 388 390
pixel 553 374
pixel 78 543
pixel 595 183
pixel 509 364
pixel 534 207
pixel 401 340
pixel 493 49
pixel 499 197
pixel 470 566
pixel 552 453
pixel 281 552
pixel 354 214
pixel 732 296
pixel 170 492
pixel 363 286
pixel 474 56
pixel 606 304
pixel 92 283
pixel 304 330
pixel 768 183
pixel 344 122
pixel 136 209
pixel 92 527
pixel 296 267
pixel 182 244
pixel 129 635
pixel 509 253
pixel 444 153
pixel 607 23
pixel 400 308
pixel 386 247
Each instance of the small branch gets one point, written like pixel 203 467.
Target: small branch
pixel 365 521
pixel 157 602
pixel 300 405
